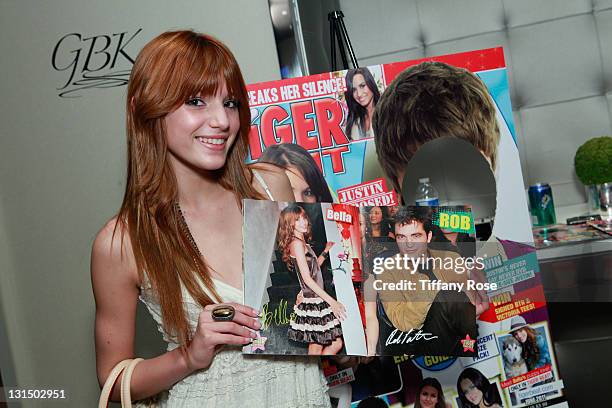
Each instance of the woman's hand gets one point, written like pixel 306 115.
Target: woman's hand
pixel 300 298
pixel 479 298
pixel 338 310
pixel 325 253
pixel 211 335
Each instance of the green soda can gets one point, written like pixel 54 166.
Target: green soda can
pixel 542 205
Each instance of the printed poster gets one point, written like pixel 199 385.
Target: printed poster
pixel 314 128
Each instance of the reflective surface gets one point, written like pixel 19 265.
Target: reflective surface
pixel 579 294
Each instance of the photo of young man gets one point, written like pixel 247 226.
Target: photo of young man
pixel 436 317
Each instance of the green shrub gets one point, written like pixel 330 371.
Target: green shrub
pixel 593 161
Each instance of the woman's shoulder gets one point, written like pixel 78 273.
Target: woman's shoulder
pixel 540 340
pixel 275 179
pixel 112 251
pixel 104 240
pixel 297 245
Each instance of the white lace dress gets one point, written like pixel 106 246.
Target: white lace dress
pixel 235 380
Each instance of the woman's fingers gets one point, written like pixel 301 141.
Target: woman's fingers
pixel 249 311
pixel 246 320
pixel 231 328
pixel 223 338
pixel 243 315
pixel 342 310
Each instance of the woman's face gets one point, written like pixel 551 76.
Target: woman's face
pixel 375 215
pixel 301 190
pixel 301 225
pixel 202 130
pixel 520 335
pixel 428 397
pixel 361 92
pixel 473 394
pixel 362 225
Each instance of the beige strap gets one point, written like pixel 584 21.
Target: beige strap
pixel 126 380
pixel 110 382
pixel 112 379
pixel 263 184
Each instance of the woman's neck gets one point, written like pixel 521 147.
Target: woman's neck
pixel 298 235
pixel 376 230
pixel 195 185
pixel 370 108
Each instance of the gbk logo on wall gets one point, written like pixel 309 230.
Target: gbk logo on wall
pixel 94 62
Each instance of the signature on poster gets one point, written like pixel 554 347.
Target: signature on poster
pixel 400 337
pixel 278 315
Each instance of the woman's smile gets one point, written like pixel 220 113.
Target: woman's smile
pixel 215 143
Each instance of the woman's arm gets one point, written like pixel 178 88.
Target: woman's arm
pixel 297 250
pixel 115 286
pixel 371 327
pixel 277 181
pixel 321 258
pixel 544 353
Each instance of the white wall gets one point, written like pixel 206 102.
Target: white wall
pixel 62 171
pixel 558 58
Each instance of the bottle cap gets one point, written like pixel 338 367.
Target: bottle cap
pixel 424 180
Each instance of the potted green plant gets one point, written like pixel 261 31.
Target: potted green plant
pixel 593 163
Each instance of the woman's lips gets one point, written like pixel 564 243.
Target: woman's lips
pixel 212 143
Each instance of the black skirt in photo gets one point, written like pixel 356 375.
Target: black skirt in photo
pixel 314 322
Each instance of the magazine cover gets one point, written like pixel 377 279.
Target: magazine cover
pixel 335 279
pixel 320 130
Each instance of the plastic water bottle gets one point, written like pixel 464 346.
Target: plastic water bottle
pixel 426 194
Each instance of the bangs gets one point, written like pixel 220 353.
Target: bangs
pixel 207 67
pixel 294 212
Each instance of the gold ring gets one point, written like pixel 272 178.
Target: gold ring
pixel 223 313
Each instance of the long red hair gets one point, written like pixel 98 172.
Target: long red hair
pixel 531 351
pixel 286 228
pixel 169 70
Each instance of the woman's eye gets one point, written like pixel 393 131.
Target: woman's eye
pixel 308 193
pixel 231 103
pixel 195 102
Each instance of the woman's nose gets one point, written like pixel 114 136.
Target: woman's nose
pixel 218 117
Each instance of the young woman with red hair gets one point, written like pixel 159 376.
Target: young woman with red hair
pixel 176 243
pixel 316 317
